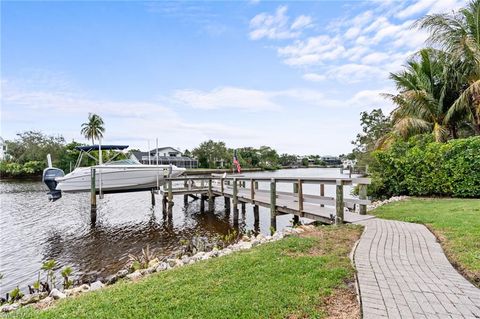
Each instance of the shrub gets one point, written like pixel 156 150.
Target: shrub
pixel 421 167
pixel 13 169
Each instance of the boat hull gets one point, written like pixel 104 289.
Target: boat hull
pixel 117 178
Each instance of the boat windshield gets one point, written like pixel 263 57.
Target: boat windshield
pixel 128 161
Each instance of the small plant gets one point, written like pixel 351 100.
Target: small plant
pixel 272 231
pixel 36 285
pixel 15 294
pixel 2 300
pixel 66 272
pixel 141 261
pixel 49 267
pixel 230 237
pixel 249 233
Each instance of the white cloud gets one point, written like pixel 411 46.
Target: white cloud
pixel 72 102
pixel 277 26
pixel 314 77
pixel 375 58
pixel 362 19
pixel 222 98
pixel 365 46
pixel 226 97
pixel 416 8
pixel 355 53
pixel 430 7
pixel 369 99
pixel 353 73
pixel 301 22
pixel 314 50
pixel 352 32
pixel 126 121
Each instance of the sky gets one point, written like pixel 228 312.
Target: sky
pixel 291 75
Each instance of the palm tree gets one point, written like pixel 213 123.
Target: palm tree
pixel 458 34
pixel 93 129
pixel 425 96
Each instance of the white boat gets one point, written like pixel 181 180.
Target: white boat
pixel 113 176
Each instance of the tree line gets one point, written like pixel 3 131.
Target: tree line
pixel 27 155
pixel 211 154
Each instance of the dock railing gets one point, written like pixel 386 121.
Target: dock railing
pixel 245 189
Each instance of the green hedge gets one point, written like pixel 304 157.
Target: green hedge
pixel 421 167
pixel 12 169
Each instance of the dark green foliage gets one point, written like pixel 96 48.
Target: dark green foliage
pixel 211 154
pixel 305 161
pixel 27 155
pixel 34 146
pixel 375 131
pixel 287 159
pixel 421 167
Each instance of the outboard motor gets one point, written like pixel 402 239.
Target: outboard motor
pixel 49 175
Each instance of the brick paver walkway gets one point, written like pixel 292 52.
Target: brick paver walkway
pixel 403 273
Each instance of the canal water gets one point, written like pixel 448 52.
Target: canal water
pixel 33 230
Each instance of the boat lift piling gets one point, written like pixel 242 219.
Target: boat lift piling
pixel 93 198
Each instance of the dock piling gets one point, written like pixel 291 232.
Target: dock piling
pixel 300 197
pixel 256 218
pixel 170 193
pixel 296 220
pixel 273 204
pixel 322 192
pixel 339 205
pixel 152 192
pixel 235 195
pixel 202 203
pixel 252 189
pixel 210 193
pixel 93 198
pixel 362 194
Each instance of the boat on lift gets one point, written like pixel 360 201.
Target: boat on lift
pixel 124 175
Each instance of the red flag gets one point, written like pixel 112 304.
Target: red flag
pixel 235 162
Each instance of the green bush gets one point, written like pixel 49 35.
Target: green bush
pixel 12 169
pixel 421 167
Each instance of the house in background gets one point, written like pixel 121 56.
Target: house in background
pixel 3 149
pixel 166 155
pixel 331 160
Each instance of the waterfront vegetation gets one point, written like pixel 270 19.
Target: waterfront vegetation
pixel 422 167
pixel 455 222
pixel 437 101
pixel 292 278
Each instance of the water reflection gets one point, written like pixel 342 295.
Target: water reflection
pixel 104 249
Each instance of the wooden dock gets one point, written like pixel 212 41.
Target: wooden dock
pixel 241 190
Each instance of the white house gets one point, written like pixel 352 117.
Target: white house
pixel 166 155
pixel 3 149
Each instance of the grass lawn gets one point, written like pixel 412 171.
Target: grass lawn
pixel 297 277
pixel 455 222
